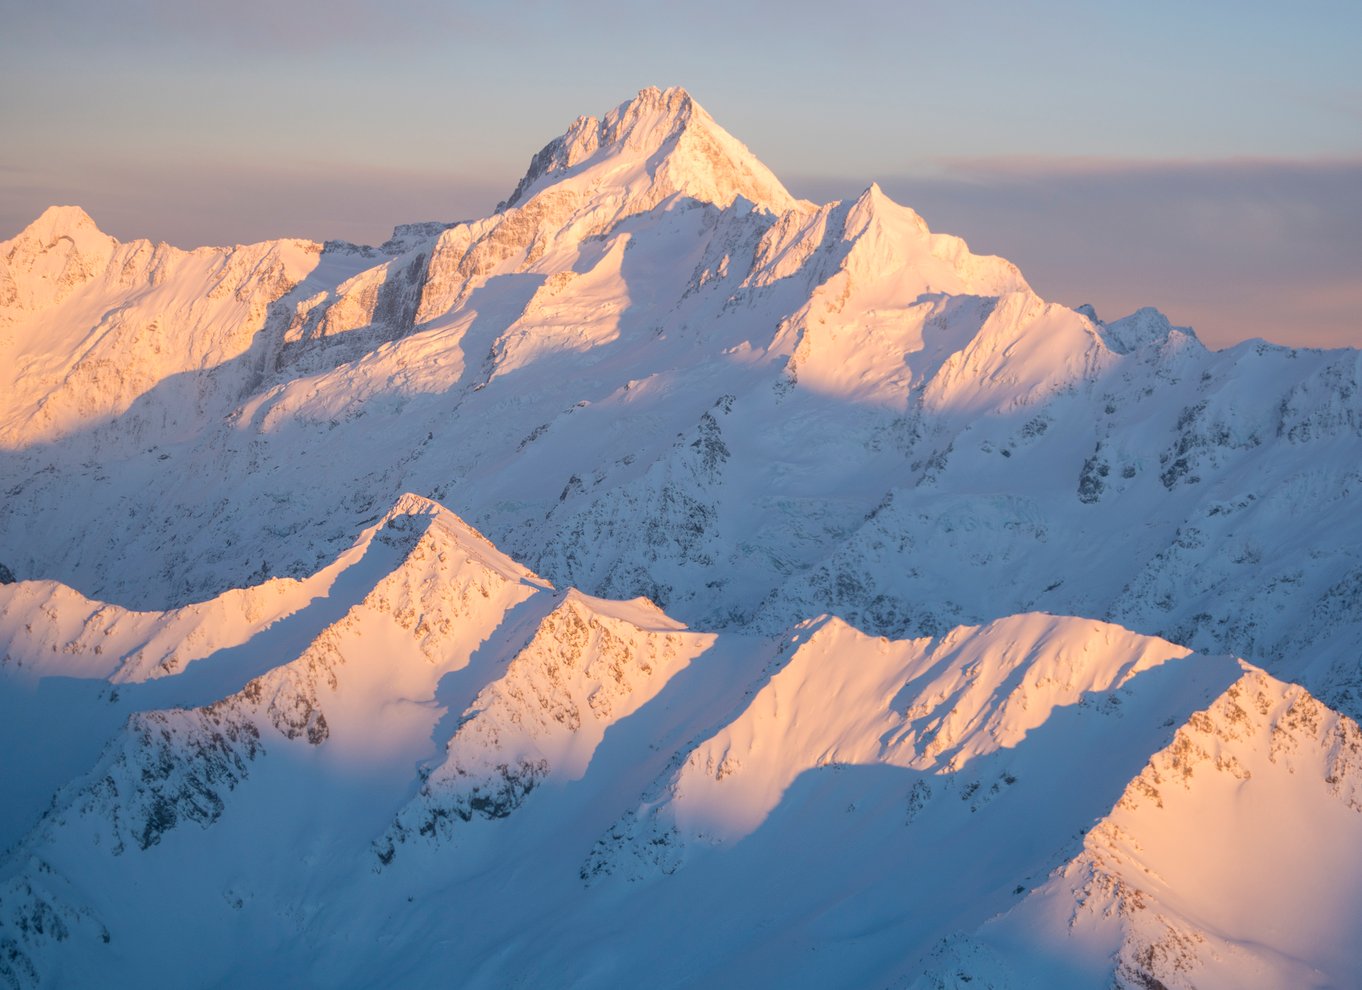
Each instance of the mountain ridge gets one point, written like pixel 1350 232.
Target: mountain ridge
pixel 559 709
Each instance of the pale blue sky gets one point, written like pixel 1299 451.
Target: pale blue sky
pixel 1202 157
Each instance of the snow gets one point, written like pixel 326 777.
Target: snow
pixel 463 731
pixel 877 595
pixel 1208 871
pixel 658 143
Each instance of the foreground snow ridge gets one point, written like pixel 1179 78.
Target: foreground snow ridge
pixel 977 804
pixel 845 609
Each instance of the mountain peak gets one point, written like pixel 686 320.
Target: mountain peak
pixel 659 143
pixel 1144 327
pixel 672 109
pixel 426 515
pixel 874 205
pixel 59 220
pixel 674 101
pixel 52 256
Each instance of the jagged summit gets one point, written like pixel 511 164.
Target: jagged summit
pixel 56 252
pixel 661 138
pixel 59 231
pixel 56 221
pixel 1143 327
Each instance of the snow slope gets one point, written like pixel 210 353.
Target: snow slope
pixel 1222 865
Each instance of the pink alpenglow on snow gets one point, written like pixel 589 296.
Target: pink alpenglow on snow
pixel 663 560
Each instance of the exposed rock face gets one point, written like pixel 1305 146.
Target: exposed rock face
pixel 590 664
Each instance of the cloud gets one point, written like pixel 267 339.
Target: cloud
pixel 1240 248
pixel 236 204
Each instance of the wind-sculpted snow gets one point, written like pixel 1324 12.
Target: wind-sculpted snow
pixel 362 693
pixel 47 629
pixel 58 253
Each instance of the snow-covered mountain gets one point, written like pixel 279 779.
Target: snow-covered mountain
pixel 1207 871
pixel 656 373
pixel 461 768
pixel 807 486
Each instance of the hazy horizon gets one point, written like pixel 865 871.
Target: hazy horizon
pixel 1206 162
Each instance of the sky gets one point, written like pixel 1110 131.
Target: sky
pixel 1204 158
